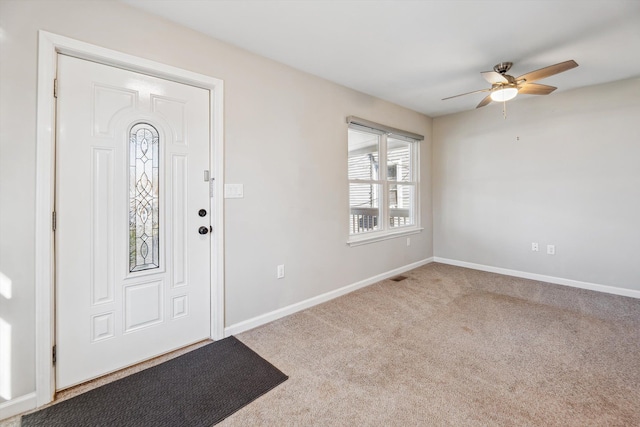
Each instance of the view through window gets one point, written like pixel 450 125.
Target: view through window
pixel 382 182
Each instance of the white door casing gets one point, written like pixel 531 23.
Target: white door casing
pixel 111 313
pixel 49 46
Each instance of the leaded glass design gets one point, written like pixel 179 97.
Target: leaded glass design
pixel 144 160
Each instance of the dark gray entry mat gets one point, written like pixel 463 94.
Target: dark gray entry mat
pixel 200 388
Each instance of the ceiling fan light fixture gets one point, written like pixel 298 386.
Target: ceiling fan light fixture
pixel 504 94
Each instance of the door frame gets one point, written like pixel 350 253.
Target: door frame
pixel 49 46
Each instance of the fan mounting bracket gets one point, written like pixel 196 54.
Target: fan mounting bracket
pixel 502 67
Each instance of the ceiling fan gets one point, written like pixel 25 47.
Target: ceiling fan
pixel 505 87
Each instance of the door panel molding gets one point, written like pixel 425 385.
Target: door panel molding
pixel 49 46
pixel 131 205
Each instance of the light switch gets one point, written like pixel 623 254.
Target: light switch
pixel 233 191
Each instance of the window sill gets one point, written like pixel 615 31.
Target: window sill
pixel 365 240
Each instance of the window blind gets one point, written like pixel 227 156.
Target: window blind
pixel 393 132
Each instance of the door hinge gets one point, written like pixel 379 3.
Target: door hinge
pixel 55 88
pixel 53 220
pixel 53 354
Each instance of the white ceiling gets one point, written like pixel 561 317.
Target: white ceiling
pixel 414 53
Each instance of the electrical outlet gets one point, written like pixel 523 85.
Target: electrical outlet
pixel 280 271
pixel 534 246
pixel 551 249
pixel 408 241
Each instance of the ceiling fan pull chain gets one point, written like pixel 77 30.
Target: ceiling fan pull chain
pixel 504 109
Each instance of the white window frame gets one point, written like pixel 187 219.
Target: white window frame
pixel 385 231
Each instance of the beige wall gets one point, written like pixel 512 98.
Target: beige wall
pixel 285 140
pixel 571 180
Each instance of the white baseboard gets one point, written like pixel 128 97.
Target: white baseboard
pixel 542 278
pixel 294 308
pixel 18 405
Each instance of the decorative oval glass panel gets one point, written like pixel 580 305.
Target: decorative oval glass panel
pixel 144 239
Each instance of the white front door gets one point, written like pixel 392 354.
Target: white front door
pixel 133 216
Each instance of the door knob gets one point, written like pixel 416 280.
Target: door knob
pixel 203 230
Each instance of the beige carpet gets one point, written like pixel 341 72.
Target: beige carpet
pixel 453 346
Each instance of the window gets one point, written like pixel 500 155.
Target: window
pixel 383 180
pixel 144 245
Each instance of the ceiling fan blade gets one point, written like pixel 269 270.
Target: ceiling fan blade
pixel 485 101
pixel 536 89
pixel 548 71
pixel 468 93
pixel 493 77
